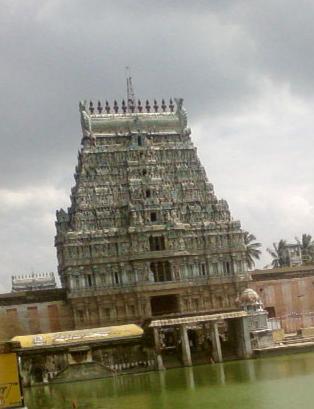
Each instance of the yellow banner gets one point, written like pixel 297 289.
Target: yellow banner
pixel 10 392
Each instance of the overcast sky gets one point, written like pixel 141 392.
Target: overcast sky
pixel 244 68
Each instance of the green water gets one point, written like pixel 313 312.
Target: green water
pixel 278 383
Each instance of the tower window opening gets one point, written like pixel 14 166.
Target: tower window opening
pixel 89 280
pixel 239 266
pixel 156 243
pixel 80 314
pixel 161 271
pixel 148 193
pixel 131 309
pixel 140 140
pixel 215 268
pixel 144 172
pixel 203 269
pixel 227 268
pixel 107 313
pixel 153 216
pixel 196 304
pixel 103 279
pixel 116 277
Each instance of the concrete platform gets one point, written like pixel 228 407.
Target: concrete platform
pixel 290 348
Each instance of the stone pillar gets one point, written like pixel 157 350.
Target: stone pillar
pixel 148 307
pixel 159 361
pixel 217 354
pixel 244 347
pixel 89 356
pixel 186 351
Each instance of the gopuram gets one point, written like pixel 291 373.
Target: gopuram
pixel 145 234
pixel 145 240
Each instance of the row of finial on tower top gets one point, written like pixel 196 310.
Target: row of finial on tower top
pixel 131 107
pixel 32 275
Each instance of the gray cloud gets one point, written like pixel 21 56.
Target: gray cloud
pixel 244 69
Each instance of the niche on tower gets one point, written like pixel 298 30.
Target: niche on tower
pixel 138 140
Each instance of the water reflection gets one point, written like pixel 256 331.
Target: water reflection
pixel 221 374
pixel 249 366
pixel 191 388
pixel 189 378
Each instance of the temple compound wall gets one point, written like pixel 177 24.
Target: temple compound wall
pixel 288 295
pixel 33 312
pixel 145 234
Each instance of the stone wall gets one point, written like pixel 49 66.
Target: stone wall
pixel 32 312
pixel 124 306
pixel 287 294
pixel 95 362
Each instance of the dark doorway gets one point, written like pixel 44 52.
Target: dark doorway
pixel 37 374
pixel 271 312
pixel 228 335
pixel 79 356
pixel 164 304
pixel 192 339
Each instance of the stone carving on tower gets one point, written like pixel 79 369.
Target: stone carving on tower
pixel 144 221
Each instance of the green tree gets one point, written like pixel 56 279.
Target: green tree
pixel 279 254
pixel 307 247
pixel 252 249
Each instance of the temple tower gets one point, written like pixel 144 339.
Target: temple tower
pixel 145 234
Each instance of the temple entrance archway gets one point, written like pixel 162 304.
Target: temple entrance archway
pixel 164 304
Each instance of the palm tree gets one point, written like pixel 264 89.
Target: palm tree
pixel 279 254
pixel 306 246
pixel 252 249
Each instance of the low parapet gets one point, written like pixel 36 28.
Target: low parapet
pixel 147 118
pixel 33 281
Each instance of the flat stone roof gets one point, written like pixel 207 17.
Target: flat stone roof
pixel 198 318
pixel 282 273
pixel 33 296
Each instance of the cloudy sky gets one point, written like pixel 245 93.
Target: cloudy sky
pixel 244 68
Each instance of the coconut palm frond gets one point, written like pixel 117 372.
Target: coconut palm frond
pixel 273 253
pixel 278 253
pixel 252 251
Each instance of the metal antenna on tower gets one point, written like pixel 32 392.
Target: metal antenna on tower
pixel 130 91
